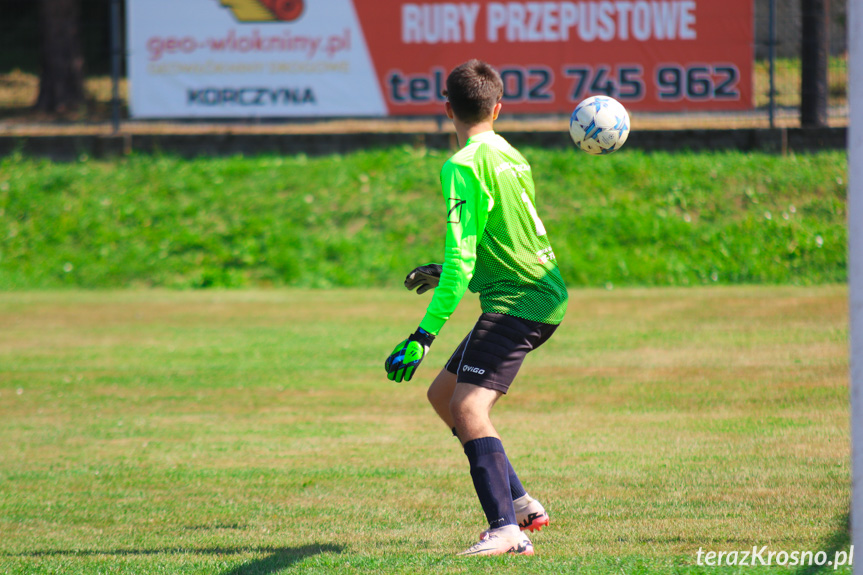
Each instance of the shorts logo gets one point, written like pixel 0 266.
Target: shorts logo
pixel 472 369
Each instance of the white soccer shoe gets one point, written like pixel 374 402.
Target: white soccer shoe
pixel 529 513
pixel 507 539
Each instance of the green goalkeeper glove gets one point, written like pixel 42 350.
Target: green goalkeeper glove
pixel 424 278
pixel 406 357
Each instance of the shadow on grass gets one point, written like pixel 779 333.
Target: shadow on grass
pixel 840 541
pixel 275 558
pixel 282 559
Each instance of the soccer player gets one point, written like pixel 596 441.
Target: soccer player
pixel 497 246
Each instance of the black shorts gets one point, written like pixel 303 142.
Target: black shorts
pixel 491 354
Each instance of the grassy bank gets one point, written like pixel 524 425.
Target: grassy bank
pixel 249 433
pixel 367 218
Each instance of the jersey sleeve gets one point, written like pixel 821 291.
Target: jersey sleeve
pixel 467 212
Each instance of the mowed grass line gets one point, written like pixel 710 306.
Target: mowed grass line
pixel 254 432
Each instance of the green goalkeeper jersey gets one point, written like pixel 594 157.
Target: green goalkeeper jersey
pixel 496 244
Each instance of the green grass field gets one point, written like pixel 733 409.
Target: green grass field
pixel 254 432
pixel 363 219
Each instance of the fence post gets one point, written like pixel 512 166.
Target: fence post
pixel 855 267
pixel 115 65
pixel 771 57
pixel 813 64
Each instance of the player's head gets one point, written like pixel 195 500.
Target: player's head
pixel 473 90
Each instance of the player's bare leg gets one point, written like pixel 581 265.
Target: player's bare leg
pixel 470 408
pixel 440 394
pixel 529 512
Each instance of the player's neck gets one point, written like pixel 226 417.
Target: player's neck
pixel 466 132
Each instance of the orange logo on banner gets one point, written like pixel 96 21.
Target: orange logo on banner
pixel 265 10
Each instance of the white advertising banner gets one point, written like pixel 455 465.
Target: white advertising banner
pixel 238 58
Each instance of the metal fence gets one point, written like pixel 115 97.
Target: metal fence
pixel 787 41
pixel 777 64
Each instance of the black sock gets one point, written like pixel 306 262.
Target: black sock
pixel 515 486
pixel 490 473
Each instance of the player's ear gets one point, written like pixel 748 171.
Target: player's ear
pixel 449 112
pixel 496 111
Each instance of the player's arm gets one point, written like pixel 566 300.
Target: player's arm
pixel 466 211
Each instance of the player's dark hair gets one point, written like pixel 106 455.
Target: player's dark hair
pixel 473 89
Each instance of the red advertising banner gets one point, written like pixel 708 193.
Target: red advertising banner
pixel 658 55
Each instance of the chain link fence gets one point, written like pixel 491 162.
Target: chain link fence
pixel 20 64
pixel 788 47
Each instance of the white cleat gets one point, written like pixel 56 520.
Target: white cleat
pixel 507 539
pixel 530 514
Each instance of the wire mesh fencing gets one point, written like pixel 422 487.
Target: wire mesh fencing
pixel 776 72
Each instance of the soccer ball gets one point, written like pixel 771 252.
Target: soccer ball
pixel 599 125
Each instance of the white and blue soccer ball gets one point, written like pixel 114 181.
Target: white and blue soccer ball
pixel 599 125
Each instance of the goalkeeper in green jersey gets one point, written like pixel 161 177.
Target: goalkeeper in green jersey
pixel 496 246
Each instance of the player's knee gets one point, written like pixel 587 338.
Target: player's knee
pixel 440 401
pixel 433 395
pixel 441 390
